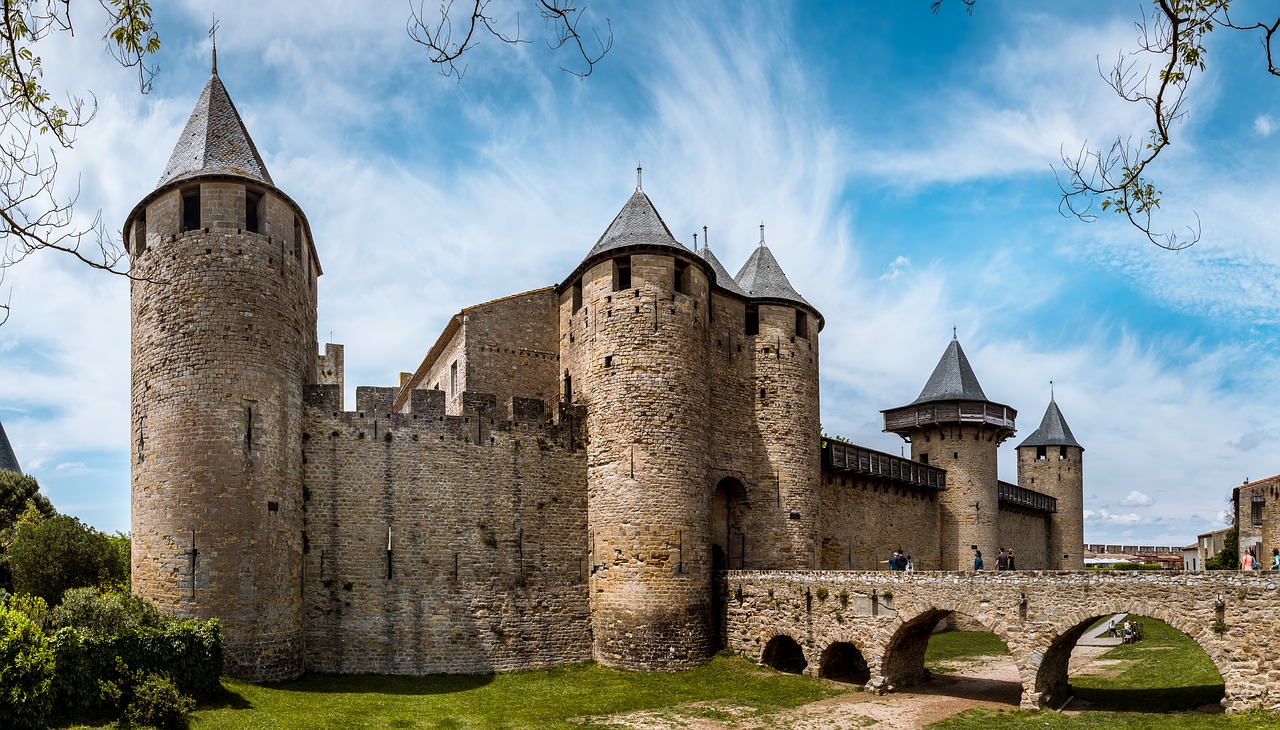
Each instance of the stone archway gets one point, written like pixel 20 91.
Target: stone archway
pixel 843 662
pixel 785 655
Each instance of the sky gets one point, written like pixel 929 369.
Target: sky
pixel 902 163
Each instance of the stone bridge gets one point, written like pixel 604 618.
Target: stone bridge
pixel 873 627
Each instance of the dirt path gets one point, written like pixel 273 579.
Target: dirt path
pixel 985 682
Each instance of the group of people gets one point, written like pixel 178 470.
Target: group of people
pixel 1251 562
pixel 1004 560
pixel 900 561
pixel 1129 631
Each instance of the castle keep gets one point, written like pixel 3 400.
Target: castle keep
pixel 559 480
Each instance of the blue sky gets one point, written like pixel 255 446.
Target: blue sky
pixel 901 162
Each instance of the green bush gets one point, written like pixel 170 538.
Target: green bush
pixel 108 613
pixel 26 672
pixel 157 702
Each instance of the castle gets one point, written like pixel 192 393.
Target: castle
pixel 561 478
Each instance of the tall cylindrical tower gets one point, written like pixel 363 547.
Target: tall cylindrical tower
pixel 223 341
pixel 952 425
pixel 783 330
pixel 1051 461
pixel 634 328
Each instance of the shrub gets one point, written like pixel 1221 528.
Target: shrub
pixel 33 607
pixel 26 672
pixel 156 701
pixel 49 555
pixel 108 613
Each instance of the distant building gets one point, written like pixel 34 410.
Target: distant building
pixel 1209 544
pixel 1191 558
pixel 8 461
pixel 1256 517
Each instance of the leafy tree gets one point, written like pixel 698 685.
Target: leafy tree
pixel 16 491
pixel 50 555
pixel 1229 558
pixel 26 672
pixel 34 127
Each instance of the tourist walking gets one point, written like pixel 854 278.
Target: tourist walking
pixel 1002 560
pixel 977 560
pixel 1011 565
pixel 1247 562
pixel 911 566
pixel 1275 558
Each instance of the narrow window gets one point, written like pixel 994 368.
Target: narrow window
pixel 1062 452
pixel 297 238
pixel 453 379
pixel 753 320
pixel 252 217
pixel 140 235
pixel 924 458
pixel 622 273
pixel 682 277
pixel 1255 512
pixel 191 209
pixel 568 387
pixel 1041 453
pixel 577 296
pixel 608 361
pixel 802 324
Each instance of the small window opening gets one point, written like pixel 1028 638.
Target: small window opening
pixel 753 320
pixel 924 458
pixel 762 392
pixel 453 379
pixel 297 239
pixel 802 324
pixel 577 296
pixel 955 454
pixel 190 209
pixel 252 211
pixel 622 273
pixel 608 361
pixel 140 235
pixel 682 277
pixel 1062 452
pixel 1255 512
pixel 1041 453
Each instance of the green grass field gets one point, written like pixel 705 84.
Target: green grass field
pixel 548 698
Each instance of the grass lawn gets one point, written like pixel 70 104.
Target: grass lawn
pixel 1164 673
pixel 533 699
pixel 952 645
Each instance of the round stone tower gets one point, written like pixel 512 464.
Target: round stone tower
pixel 952 425
pixel 223 342
pixel 634 349
pixel 783 330
pixel 1051 461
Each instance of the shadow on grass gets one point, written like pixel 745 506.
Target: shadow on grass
pixel 1164 699
pixel 228 700
pixel 435 684
pixel 971 688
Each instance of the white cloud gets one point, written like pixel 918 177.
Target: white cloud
pixel 1137 499
pixel 1105 516
pixel 1264 125
pixel 896 267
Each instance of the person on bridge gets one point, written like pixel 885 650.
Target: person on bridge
pixel 1011 564
pixel 1002 560
pixel 977 560
pixel 1275 558
pixel 911 566
pixel 1246 563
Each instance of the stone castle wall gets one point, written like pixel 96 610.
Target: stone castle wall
pixel 1060 474
pixel 488 566
pixel 864 520
pixel 1027 532
pixel 969 506
pixel 223 340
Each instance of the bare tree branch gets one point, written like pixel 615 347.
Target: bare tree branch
pixel 446 46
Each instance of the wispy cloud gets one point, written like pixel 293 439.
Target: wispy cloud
pixel 1264 125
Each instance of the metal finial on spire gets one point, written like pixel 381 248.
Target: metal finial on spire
pixel 1050 391
pixel 706 240
pixel 761 233
pixel 695 242
pixel 954 336
pixel 639 172
pixel 213 34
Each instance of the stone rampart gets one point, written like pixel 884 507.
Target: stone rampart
pixel 883 620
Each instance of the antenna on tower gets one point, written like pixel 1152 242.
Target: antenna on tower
pixel 213 34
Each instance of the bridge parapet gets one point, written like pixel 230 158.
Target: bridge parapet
pixel 888 616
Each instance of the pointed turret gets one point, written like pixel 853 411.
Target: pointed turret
pixel 955 426
pixel 762 278
pixel 723 280
pixel 8 461
pixel 952 379
pixel 1053 430
pixel 215 141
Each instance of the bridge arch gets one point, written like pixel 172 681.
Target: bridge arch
pixel 844 661
pixel 1051 683
pixel 784 654
pixel 902 664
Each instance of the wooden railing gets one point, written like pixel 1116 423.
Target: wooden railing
pixel 1015 495
pixel 844 456
pixel 907 418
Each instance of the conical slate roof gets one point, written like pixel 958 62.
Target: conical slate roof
pixel 215 141
pixel 722 274
pixel 1053 430
pixel 952 379
pixel 8 461
pixel 762 278
pixel 638 223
